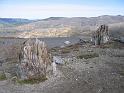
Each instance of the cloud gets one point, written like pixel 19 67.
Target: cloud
pixel 44 11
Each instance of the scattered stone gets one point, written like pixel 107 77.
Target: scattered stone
pixel 67 42
pixel 90 50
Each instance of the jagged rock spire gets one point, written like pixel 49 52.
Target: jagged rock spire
pixel 34 59
pixel 101 35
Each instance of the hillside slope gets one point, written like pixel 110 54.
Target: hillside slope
pixel 13 22
pixel 56 26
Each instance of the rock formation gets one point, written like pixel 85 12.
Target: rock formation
pixel 34 60
pixel 101 35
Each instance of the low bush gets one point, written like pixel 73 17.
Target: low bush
pixel 32 81
pixel 87 56
pixel 2 76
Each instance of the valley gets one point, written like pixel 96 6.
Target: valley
pixel 86 55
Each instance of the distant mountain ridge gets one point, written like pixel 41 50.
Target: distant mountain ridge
pixel 13 21
pixel 70 26
pixel 53 18
pixel 74 21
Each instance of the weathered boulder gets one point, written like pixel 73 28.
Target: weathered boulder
pixel 34 60
pixel 101 35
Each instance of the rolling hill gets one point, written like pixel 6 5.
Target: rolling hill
pixel 62 26
pixel 13 21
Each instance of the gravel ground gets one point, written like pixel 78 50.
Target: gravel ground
pixel 103 74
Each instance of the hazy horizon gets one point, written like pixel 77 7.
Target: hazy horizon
pixel 56 17
pixel 37 9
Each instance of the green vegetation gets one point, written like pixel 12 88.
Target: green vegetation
pixel 64 51
pixel 121 73
pixel 2 76
pixel 68 49
pixel 32 81
pixel 113 45
pixel 87 56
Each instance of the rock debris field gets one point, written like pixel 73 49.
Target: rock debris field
pixel 101 74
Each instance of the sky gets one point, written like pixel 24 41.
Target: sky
pixel 39 9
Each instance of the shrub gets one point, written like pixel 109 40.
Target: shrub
pixel 32 81
pixel 87 56
pixel 2 76
pixel 121 73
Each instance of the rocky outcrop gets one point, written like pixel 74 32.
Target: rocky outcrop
pixel 34 60
pixel 101 35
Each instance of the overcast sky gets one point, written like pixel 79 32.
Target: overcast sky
pixel 38 9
